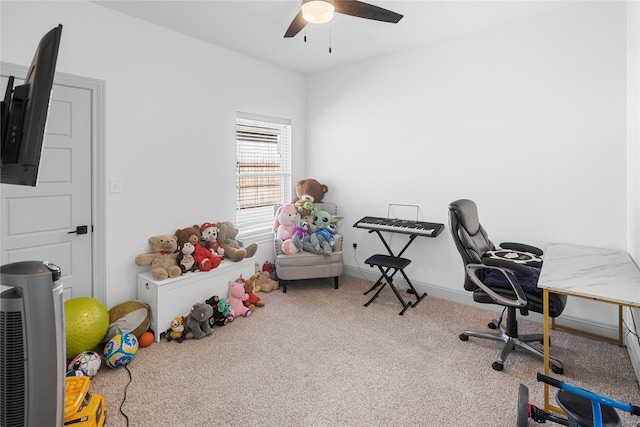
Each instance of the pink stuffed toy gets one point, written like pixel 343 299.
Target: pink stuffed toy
pixel 236 298
pixel 284 225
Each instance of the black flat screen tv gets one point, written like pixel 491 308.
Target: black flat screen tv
pixel 24 115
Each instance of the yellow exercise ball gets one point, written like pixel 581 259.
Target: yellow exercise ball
pixel 86 321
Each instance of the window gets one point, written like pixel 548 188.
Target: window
pixel 263 171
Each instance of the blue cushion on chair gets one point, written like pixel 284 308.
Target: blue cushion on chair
pixel 529 284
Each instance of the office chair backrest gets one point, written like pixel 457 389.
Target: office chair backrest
pixel 470 238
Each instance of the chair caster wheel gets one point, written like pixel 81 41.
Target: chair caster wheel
pixel 497 366
pixel 463 337
pixel 557 370
pixel 493 324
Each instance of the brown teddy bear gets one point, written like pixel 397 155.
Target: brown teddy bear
pixel 189 234
pixel 264 281
pixel 162 258
pixel 234 249
pixel 311 187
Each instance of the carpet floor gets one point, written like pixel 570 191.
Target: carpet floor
pixel 316 356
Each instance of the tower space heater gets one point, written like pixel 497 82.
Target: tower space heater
pixel 32 345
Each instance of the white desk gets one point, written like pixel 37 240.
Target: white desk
pixel 597 274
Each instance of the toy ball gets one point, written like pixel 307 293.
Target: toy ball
pixel 86 321
pixel 130 316
pixel 120 350
pixel 146 339
pixel 88 362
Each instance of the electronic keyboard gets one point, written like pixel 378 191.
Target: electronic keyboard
pixel 405 226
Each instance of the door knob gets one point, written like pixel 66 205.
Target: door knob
pixel 81 229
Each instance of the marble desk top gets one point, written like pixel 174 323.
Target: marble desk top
pixel 597 273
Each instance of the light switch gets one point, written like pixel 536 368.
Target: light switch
pixel 115 185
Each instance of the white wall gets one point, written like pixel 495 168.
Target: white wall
pixel 538 105
pixel 527 118
pixel 171 102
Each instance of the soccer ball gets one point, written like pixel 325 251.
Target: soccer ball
pixel 120 350
pixel 88 362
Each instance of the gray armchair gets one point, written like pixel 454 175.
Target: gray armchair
pixel 307 265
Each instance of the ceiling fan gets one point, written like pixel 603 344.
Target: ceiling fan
pixel 321 11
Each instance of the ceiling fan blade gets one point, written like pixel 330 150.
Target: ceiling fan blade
pixel 297 24
pixel 366 11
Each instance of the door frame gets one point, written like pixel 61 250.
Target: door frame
pixel 98 187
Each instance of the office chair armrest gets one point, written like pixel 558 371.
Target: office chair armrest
pixel 522 247
pixel 521 299
pixel 510 265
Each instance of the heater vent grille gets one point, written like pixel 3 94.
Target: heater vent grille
pixel 12 369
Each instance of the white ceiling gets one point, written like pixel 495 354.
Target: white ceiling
pixel 256 27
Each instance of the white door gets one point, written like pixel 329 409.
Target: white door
pixel 40 223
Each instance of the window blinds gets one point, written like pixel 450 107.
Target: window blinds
pixel 263 171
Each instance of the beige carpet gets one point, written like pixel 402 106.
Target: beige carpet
pixel 316 357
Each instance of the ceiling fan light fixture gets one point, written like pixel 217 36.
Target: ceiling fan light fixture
pixel 318 11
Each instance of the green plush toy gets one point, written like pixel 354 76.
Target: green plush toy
pixel 220 311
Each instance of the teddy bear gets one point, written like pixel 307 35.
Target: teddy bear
pixel 311 187
pixel 185 258
pixel 234 249
pixel 254 300
pixel 205 260
pixel 209 236
pixel 264 283
pixel 237 297
pixel 284 225
pixel 264 280
pixel 196 323
pixel 176 330
pixel 220 311
pixel 163 257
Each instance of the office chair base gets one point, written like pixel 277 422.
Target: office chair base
pixel 511 344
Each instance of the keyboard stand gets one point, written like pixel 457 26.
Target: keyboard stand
pixel 387 263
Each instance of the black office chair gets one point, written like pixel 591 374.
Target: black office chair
pixel 505 276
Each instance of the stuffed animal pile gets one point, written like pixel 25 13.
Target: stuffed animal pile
pixel 195 248
pixel 205 260
pixel 303 228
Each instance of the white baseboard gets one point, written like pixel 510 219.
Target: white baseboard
pixel 464 297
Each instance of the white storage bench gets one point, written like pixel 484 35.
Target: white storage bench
pixel 174 297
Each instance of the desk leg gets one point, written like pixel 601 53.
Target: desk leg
pixel 545 360
pixel 620 338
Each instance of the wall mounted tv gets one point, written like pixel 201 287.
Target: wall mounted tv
pixel 24 115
